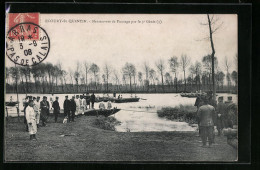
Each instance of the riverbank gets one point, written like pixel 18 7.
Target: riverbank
pixel 84 141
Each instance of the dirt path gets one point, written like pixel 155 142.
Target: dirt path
pixel 93 144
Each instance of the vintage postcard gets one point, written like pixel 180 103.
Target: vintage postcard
pixel 121 87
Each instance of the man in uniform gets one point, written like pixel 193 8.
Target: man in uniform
pixel 77 101
pixel 45 106
pixel 219 115
pixel 92 99
pixel 72 109
pixel 31 120
pixel 56 107
pixel 83 104
pixel 88 100
pixel 66 107
pixel 26 103
pixel 205 115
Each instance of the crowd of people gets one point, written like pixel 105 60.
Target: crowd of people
pixel 211 113
pixel 36 110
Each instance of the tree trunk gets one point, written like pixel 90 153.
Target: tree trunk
pixel 184 81
pixel 212 58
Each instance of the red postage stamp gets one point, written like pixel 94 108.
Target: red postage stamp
pixel 26 33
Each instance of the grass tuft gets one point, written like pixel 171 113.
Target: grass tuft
pixel 106 123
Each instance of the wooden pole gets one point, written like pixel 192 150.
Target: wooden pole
pixel 18 113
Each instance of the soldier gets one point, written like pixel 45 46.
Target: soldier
pixel 66 107
pixel 36 107
pixel 219 115
pixel 31 120
pixel 88 100
pixel 72 109
pixel 45 106
pixel 56 107
pixel 205 114
pixel 230 113
pixel 92 100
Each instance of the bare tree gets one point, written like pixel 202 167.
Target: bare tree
pixel 129 70
pixel 161 67
pixel 86 67
pixel 146 68
pixel 107 70
pixel 174 64
pixel 214 25
pixel 185 61
pixel 94 69
pixel 227 66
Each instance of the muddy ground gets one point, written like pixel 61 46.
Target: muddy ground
pixel 83 141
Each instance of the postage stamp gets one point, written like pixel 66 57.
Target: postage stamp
pixel 27 44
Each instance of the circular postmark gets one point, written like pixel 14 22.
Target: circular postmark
pixel 27 44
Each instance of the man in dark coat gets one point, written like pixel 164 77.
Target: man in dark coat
pixel 56 108
pixel 219 115
pixel 205 114
pixel 66 107
pixel 72 109
pixel 88 100
pixel 45 110
pixel 92 100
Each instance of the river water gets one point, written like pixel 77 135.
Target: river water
pixel 137 116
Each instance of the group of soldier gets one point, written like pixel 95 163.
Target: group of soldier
pixel 211 113
pixel 36 110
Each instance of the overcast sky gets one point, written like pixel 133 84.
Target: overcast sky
pixel 135 43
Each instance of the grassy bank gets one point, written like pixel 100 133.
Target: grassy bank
pixel 106 123
pixel 84 141
pixel 181 113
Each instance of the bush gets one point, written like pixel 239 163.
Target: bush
pixel 181 113
pixel 106 123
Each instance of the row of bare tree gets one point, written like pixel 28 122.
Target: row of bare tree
pixel 49 78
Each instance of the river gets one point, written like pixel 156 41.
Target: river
pixel 137 116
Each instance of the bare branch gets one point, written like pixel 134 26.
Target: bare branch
pixel 217 27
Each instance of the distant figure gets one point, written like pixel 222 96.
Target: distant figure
pixel 205 114
pixel 26 103
pixel 88 100
pixel 56 107
pixel 109 105
pixel 45 106
pixel 36 107
pixel 66 106
pixel 11 98
pixel 121 97
pixel 83 104
pixel 102 106
pixel 31 120
pixel 114 94
pixel 73 108
pixel 77 105
pixel 219 115
pixel 118 97
pixel 92 100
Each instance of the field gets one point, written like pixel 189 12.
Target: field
pixel 84 141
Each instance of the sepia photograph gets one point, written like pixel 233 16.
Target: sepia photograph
pixel 121 87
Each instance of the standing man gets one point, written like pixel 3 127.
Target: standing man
pixel 205 115
pixel 31 120
pixel 92 100
pixel 56 107
pixel 36 107
pixel 77 101
pixel 66 107
pixel 25 104
pixel 45 110
pixel 219 117
pixel 83 106
pixel 88 100
pixel 72 109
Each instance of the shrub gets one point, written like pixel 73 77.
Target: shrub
pixel 106 123
pixel 181 113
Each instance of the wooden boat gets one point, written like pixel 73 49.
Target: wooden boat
pixel 126 100
pixel 11 103
pixel 189 95
pixel 105 112
pixel 104 99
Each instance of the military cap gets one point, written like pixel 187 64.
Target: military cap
pixel 57 97
pixel 44 97
pixel 66 96
pixel 38 97
pixel 34 98
pixel 220 98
